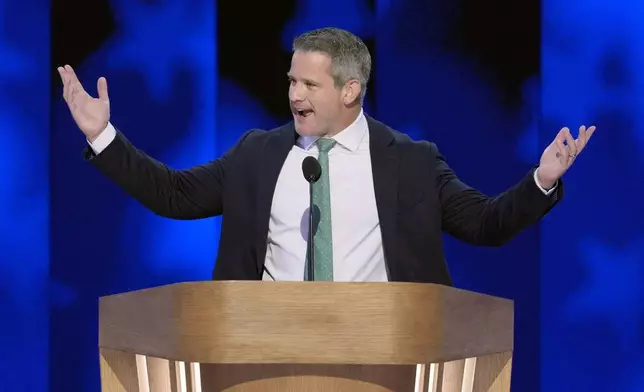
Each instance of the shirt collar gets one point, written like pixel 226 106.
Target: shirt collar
pixel 349 138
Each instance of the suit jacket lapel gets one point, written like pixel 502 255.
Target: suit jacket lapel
pixel 270 163
pixel 384 165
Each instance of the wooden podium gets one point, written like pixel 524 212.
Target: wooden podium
pixel 305 336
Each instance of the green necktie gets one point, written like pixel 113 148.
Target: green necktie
pixel 322 200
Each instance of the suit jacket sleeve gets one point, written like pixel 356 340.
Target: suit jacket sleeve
pixel 475 218
pixel 180 194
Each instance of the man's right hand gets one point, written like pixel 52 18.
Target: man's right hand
pixel 91 114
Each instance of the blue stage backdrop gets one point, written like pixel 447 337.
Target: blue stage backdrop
pixel 443 74
pixel 490 82
pixel 593 247
pixel 161 68
pixel 24 195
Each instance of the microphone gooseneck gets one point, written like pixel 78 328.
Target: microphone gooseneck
pixel 312 171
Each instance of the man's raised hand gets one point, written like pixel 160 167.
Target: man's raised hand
pixel 91 114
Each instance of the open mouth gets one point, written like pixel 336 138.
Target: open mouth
pixel 303 113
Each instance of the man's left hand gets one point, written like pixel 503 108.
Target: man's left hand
pixel 561 154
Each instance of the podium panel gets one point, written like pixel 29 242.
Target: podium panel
pixel 305 336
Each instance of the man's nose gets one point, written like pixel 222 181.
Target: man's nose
pixel 296 93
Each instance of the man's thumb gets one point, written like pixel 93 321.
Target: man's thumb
pixel 101 86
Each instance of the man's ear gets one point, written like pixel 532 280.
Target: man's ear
pixel 351 92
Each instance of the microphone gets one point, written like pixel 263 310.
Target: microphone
pixel 312 171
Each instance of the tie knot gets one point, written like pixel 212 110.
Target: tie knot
pixel 324 145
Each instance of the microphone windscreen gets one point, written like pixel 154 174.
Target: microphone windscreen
pixel 311 169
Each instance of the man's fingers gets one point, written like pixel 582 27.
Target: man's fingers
pixel 70 82
pixel 72 75
pixel 581 139
pixel 584 136
pixel 562 151
pixel 67 90
pixel 589 133
pixel 570 143
pixel 568 147
pixel 73 80
pixel 63 79
pixel 564 136
pixel 101 86
pixel 561 136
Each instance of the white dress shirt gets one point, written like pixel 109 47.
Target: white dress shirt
pixel 357 241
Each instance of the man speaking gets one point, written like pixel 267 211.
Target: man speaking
pixel 380 201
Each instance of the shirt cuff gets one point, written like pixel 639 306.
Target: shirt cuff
pixel 104 139
pixel 545 192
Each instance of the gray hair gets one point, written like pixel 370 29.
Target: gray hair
pixel 350 58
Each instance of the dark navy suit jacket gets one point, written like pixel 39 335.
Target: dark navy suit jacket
pixel 417 194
